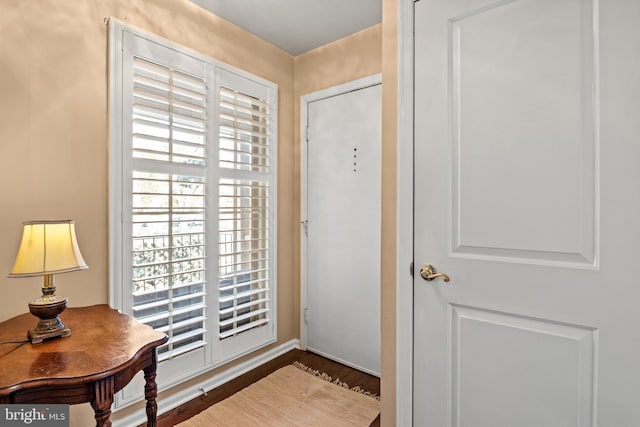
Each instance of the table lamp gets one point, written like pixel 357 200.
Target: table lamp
pixel 48 248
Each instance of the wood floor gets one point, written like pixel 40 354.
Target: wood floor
pixel 335 370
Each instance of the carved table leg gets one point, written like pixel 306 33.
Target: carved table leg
pixel 101 405
pixel 151 390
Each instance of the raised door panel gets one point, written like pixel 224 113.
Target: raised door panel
pixel 524 132
pixel 512 362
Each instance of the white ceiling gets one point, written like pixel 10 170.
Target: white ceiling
pixel 297 26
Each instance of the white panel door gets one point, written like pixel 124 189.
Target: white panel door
pixel 343 228
pixel 527 194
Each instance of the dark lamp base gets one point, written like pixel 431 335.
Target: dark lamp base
pixel 49 325
pixel 36 335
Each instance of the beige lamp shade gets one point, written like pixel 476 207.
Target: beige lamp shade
pixel 48 247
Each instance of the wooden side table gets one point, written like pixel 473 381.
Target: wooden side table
pixel 104 352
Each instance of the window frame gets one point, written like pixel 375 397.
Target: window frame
pixel 216 351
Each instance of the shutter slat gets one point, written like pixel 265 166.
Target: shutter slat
pixel 171 313
pixel 243 328
pixel 174 287
pixel 181 324
pixel 242 317
pixel 180 350
pixel 241 295
pixel 166 302
pixel 240 263
pixel 176 261
pixel 176 339
pixel 243 306
pixel 242 284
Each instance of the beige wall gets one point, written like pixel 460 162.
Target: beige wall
pixel 54 137
pixel 389 207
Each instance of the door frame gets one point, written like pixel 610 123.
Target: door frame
pixel 305 100
pixel 404 224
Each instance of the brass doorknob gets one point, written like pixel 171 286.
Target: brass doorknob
pixel 429 273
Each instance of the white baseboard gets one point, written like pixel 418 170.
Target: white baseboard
pixel 174 400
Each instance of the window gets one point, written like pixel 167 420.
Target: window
pixel 192 215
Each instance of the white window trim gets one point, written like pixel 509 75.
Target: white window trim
pixel 217 352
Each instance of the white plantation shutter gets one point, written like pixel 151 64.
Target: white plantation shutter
pixel 192 203
pixel 246 238
pixel 168 209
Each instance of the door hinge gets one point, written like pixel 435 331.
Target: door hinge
pixel 411 268
pixel 306 316
pixel 305 226
pixel 306 133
